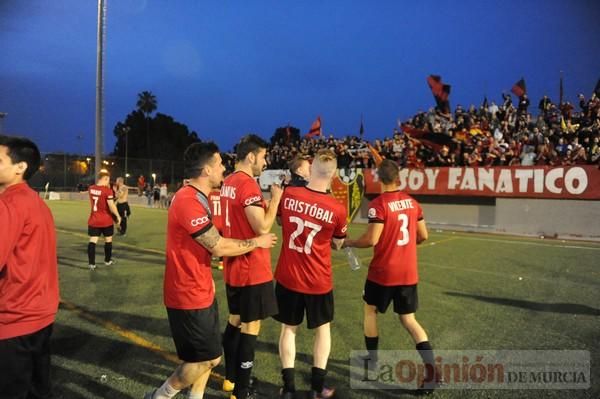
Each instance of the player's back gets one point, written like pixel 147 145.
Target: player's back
pixel 395 255
pixel 100 215
pixel 309 221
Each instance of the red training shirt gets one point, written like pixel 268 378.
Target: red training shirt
pixel 188 282
pixel 395 255
pixel 29 292
pixel 100 215
pixel 240 190
pixel 309 220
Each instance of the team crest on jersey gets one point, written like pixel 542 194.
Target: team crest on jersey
pixel 372 213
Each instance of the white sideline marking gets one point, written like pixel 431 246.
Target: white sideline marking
pixel 527 243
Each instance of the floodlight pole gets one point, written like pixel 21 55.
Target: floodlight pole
pixel 100 86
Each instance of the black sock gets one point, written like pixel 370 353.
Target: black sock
pixel 107 251
pixel 372 343
pixel 426 352
pixel 91 253
pixel 231 343
pixel 317 379
pixel 245 362
pixel 289 384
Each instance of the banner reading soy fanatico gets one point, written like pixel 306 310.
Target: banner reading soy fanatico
pixel 564 182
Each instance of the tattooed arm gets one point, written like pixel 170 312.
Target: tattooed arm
pixel 221 246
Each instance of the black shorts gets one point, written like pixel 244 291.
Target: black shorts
pixel 406 299
pixel 196 333
pixel 108 231
pixel 293 304
pixel 253 302
pixel 25 365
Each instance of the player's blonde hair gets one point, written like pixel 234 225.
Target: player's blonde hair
pixel 324 164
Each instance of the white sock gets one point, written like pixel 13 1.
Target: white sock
pixel 197 395
pixel 166 391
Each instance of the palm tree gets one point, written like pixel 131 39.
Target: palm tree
pixel 147 104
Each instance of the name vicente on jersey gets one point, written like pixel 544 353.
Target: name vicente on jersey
pixel 312 210
pixel 400 205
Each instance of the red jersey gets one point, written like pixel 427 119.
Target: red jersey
pixel 188 280
pixel 214 198
pixel 239 191
pixel 395 255
pixel 309 219
pixel 100 216
pixel 28 264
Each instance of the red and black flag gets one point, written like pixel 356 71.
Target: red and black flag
pixel 519 88
pixel 440 92
pixel 315 129
pixel 434 141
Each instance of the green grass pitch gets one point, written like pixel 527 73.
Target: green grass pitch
pixel 111 337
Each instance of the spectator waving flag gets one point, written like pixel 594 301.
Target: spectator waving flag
pixel 377 158
pixel 315 129
pixel 440 92
pixel 519 88
pixel 434 141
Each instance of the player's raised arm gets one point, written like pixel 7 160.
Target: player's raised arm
pixel 260 219
pixel 221 246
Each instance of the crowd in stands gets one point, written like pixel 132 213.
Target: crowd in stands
pixel 490 135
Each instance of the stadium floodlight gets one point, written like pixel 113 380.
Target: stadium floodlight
pixel 154 179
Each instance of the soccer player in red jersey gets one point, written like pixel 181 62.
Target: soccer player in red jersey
pixel 28 275
pixel 100 221
pixel 396 226
pixel 312 223
pixel 189 289
pixel 248 278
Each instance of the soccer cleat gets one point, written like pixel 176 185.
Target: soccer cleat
pixel 92 267
pixel 324 394
pixel 110 262
pixel 150 395
pixel 227 386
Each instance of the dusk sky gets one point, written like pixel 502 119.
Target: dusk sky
pixel 226 68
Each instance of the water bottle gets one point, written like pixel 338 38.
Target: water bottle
pixel 353 260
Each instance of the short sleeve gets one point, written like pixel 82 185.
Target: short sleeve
pixel 250 194
pixel 376 212
pixel 419 212
pixel 11 226
pixel 192 216
pixel 109 193
pixel 342 223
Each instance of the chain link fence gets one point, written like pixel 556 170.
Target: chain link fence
pixel 73 172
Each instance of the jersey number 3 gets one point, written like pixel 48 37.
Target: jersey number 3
pixel 403 218
pixel 300 225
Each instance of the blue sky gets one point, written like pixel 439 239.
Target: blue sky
pixel 225 68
